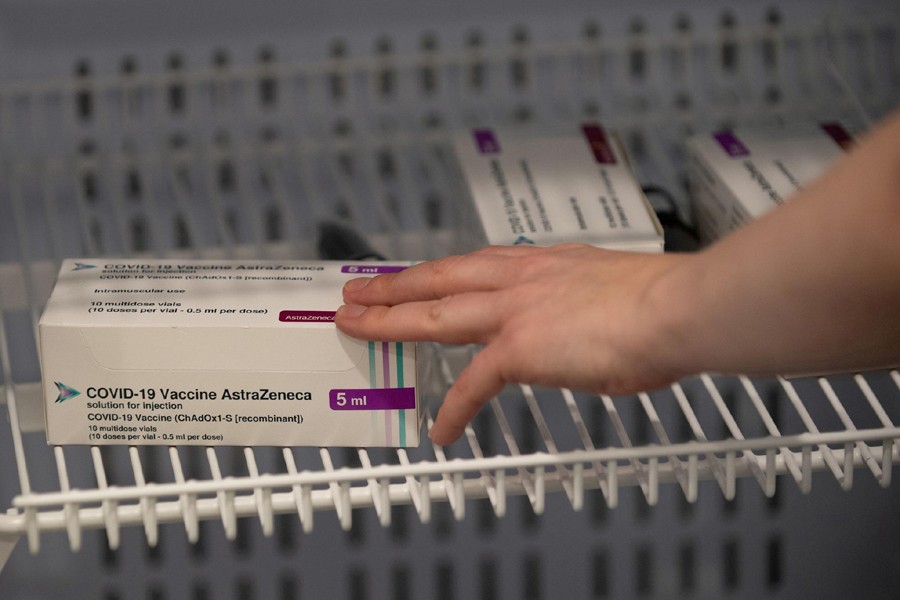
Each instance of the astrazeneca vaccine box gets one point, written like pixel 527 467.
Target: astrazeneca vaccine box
pixel 546 189
pixel 218 353
pixel 737 176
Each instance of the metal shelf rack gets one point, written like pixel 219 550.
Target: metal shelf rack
pixel 431 475
pixel 242 161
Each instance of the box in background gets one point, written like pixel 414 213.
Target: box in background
pixel 206 353
pixel 737 176
pixel 552 188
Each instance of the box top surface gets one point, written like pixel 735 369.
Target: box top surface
pixel 807 148
pixel 201 293
pixel 550 188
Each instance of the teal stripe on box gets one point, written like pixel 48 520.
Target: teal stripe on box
pixel 402 413
pixel 386 374
pixel 372 379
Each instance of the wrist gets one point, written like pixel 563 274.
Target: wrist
pixel 675 310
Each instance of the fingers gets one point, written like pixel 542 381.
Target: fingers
pixel 460 319
pixel 480 271
pixel 511 251
pixel 480 381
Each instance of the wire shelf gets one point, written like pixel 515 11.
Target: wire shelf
pixel 421 476
pixel 241 162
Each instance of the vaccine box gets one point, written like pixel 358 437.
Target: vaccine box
pixel 737 176
pixel 185 352
pixel 548 189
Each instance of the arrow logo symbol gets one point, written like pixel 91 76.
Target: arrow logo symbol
pixel 522 240
pixel 82 266
pixel 65 392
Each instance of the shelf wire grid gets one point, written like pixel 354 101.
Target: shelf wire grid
pixel 205 163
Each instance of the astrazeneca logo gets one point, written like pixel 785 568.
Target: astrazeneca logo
pixel 65 392
pixel 82 266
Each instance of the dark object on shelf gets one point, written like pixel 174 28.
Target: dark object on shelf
pixel 338 241
pixel 680 236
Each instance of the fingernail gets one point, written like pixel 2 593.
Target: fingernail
pixel 351 310
pixel 357 284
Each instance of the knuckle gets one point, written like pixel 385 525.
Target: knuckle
pixel 368 325
pixel 385 283
pixel 439 275
pixel 443 266
pixel 373 317
pixel 572 246
pixel 534 264
pixel 377 286
pixel 438 310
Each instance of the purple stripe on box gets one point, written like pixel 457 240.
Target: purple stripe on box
pixel 306 316
pixel 386 373
pixel 371 269
pixel 386 363
pixel 486 141
pixel 372 399
pixel 837 132
pixel 599 143
pixel 730 143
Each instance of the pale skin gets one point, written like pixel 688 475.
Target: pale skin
pixel 812 287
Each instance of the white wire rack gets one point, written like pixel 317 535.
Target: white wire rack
pixel 244 161
pixel 304 487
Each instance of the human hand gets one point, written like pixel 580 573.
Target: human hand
pixel 571 316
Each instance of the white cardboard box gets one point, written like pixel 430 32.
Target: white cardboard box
pixel 737 176
pixel 218 353
pixel 550 189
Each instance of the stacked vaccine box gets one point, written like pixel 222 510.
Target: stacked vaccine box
pixel 737 176
pixel 545 189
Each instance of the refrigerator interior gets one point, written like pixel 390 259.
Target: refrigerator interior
pixel 230 130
